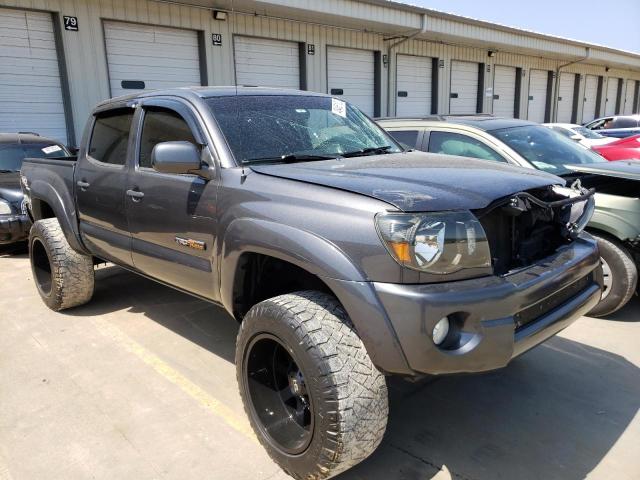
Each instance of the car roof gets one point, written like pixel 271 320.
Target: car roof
pixel 481 121
pixel 209 92
pixel 635 117
pixel 563 125
pixel 26 137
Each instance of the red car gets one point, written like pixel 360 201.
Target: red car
pixel 623 149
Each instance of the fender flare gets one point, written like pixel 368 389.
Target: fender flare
pixel 45 192
pixel 304 249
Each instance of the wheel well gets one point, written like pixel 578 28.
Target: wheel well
pixel 259 277
pixel 41 210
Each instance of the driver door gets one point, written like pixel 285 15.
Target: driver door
pixel 172 217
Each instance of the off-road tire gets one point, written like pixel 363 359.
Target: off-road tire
pixel 624 276
pixel 348 393
pixel 71 275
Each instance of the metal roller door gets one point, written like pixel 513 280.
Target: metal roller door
pixel 504 91
pixel 629 97
pixel 30 86
pixel 413 85
pixel 612 94
pixel 565 97
pixel 590 98
pixel 267 63
pixel 141 57
pixel 351 76
pixel 537 95
pixel 463 97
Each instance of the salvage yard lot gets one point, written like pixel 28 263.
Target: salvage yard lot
pixel 140 384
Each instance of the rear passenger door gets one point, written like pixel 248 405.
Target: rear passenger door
pixel 172 217
pixel 100 175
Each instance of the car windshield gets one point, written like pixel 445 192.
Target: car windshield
pixel 586 133
pixel 289 128
pixel 12 154
pixel 545 149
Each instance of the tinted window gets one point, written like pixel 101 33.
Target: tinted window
pixel 110 136
pixel 563 131
pixel 406 138
pixel 586 133
pixel 161 125
pixel 266 128
pixel 12 154
pixel 622 122
pixel 462 145
pixel 545 149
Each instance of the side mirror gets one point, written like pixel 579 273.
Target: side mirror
pixel 575 137
pixel 176 157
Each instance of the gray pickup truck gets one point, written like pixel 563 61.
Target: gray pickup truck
pixel 344 257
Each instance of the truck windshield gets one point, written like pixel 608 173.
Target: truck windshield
pixel 12 154
pixel 545 149
pixel 288 128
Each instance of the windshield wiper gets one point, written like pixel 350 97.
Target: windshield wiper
pixel 292 158
pixel 8 171
pixel 368 151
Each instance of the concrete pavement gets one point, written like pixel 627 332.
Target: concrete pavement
pixel 140 383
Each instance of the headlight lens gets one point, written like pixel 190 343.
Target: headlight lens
pixel 5 208
pixel 439 243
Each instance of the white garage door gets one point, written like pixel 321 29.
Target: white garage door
pixel 413 85
pixel 267 63
pixel 537 95
pixel 142 57
pixel 464 87
pixel 565 97
pixel 612 95
pixel 629 97
pixel 590 98
pixel 30 87
pixel 504 91
pixel 350 76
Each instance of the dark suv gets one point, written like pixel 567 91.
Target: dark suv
pixel 14 147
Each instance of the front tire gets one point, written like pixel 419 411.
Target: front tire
pixel 64 277
pixel 620 277
pixel 314 398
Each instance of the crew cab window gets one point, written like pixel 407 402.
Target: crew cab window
pixel 622 122
pixel 161 125
pixel 110 136
pixel 406 138
pixel 461 145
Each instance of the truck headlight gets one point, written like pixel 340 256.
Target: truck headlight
pixel 439 242
pixel 5 208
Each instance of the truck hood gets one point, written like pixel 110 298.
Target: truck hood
pixel 417 181
pixel 629 169
pixel 10 187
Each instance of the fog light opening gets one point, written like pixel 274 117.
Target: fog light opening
pixel 440 331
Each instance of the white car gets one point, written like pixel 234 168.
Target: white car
pixel 584 136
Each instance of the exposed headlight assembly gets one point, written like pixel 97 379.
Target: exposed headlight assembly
pixel 5 208
pixel 439 243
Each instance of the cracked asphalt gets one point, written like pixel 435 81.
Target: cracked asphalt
pixel 140 384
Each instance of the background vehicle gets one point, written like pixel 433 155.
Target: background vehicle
pixel 14 147
pixel 622 149
pixel 616 222
pixel 342 255
pixel 578 133
pixel 619 126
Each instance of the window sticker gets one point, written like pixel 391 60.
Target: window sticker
pixel 339 107
pixel 51 149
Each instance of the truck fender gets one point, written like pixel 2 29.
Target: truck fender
pixel 41 191
pixel 310 252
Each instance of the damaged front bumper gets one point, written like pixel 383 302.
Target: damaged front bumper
pixel 493 319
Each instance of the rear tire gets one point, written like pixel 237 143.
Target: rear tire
pixel 64 277
pixel 314 399
pixel 621 277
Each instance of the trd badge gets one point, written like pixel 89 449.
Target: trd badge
pixel 189 242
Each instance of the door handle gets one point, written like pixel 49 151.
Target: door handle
pixel 83 185
pixel 135 195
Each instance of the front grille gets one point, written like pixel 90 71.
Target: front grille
pixel 532 313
